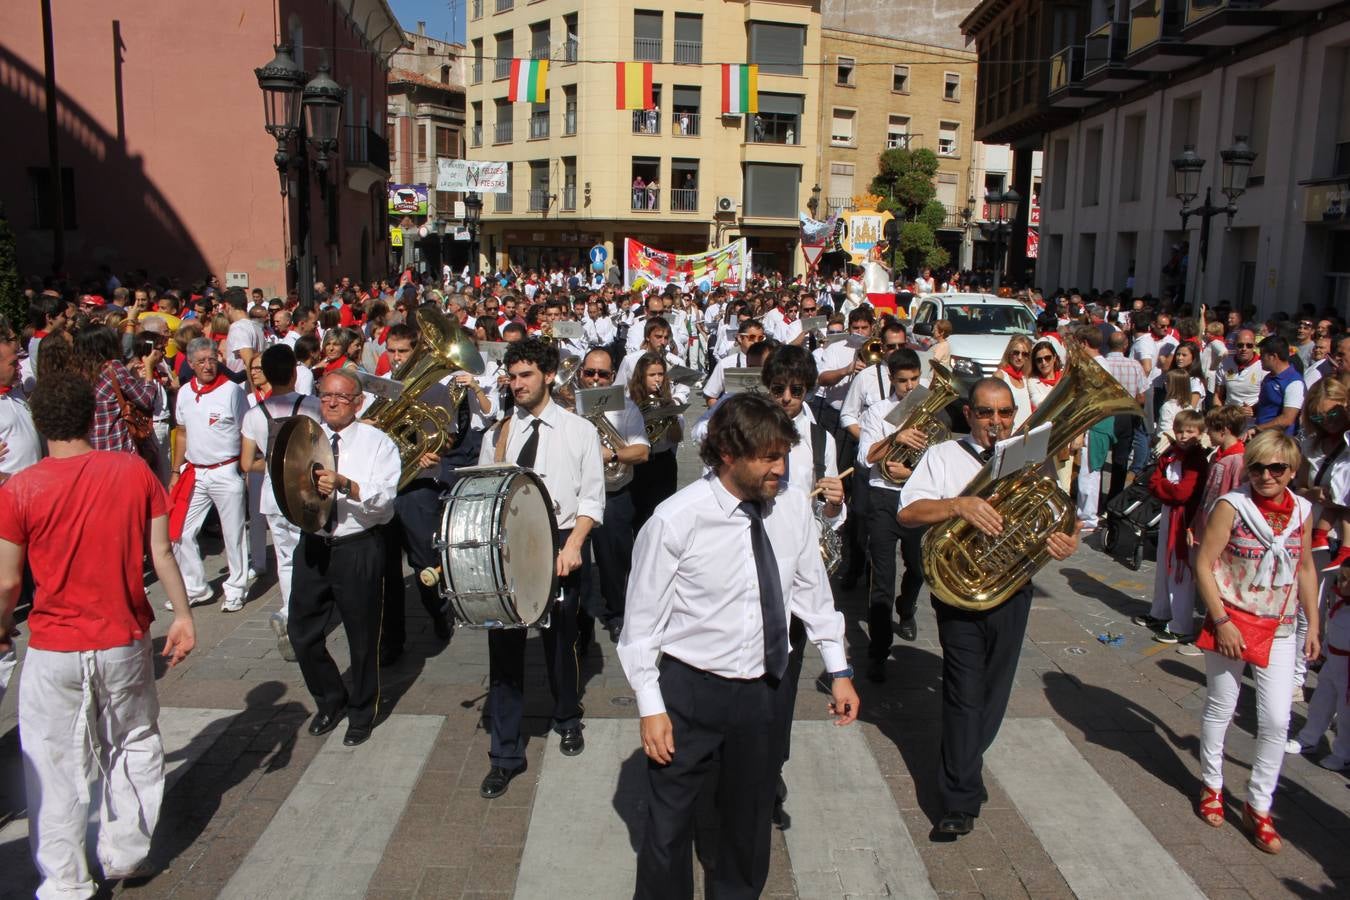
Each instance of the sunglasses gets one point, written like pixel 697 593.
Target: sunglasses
pixel 1013 353
pixel 797 390
pixel 1044 358
pixel 1245 346
pixel 988 412
pixel 1276 470
pixel 597 373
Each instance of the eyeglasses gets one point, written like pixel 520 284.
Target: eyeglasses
pixel 894 345
pixel 1012 353
pixel 809 309
pixel 597 373
pixel 1044 358
pixel 988 412
pixel 1276 470
pixel 1245 346
pixel 336 397
pixel 797 390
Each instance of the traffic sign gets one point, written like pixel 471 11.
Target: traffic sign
pixel 599 254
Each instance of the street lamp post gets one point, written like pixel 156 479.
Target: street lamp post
pixel 1186 170
pixel 967 243
pixel 282 82
pixel 473 211
pixel 1002 214
pixel 813 204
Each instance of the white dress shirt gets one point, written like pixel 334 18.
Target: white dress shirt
pixel 716 383
pixel 943 472
pixel 874 428
pixel 801 461
pixel 694 592
pixel 836 356
pixel 368 457
pixel 255 428
pixel 567 459
pixel 599 331
pixel 866 389
pixel 18 434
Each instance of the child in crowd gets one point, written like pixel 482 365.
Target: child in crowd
pixel 1178 397
pixel 1224 425
pixel 1331 700
pixel 1178 482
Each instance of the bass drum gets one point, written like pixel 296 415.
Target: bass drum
pixel 497 546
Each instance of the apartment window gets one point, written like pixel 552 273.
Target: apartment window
pixel 646 171
pixel 771 190
pixel 539 198
pixel 539 115
pixel 648 121
pixel 505 5
pixel 506 48
pixel 951 86
pixel 421 140
pixel 477 74
pixel 900 79
pixel 684 185
pixel 840 194
pixel 1092 154
pixel 897 132
pixel 569 191
pixel 841 126
pixel 447 143
pixel 685 109
pixel 476 134
pixel 503 202
pixel 1059 173
pixel 777 48
pixel 539 40
pixel 1185 125
pixel 949 139
pixel 688 39
pixel 1340 114
pixel 391 137
pixel 503 132
pixel 44 198
pixel 569 109
pixel 1251 116
pixel 1131 157
pixel 477 9
pixel 843 71
pixel 647 35
pixel 445 204
pixel 571 38
pixel 946 191
pixel 778 120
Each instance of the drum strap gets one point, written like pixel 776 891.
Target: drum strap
pixel 503 432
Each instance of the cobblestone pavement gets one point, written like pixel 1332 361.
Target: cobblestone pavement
pixel 1100 805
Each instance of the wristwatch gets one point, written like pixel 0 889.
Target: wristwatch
pixel 345 488
pixel 846 672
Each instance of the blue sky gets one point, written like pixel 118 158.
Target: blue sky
pixel 444 18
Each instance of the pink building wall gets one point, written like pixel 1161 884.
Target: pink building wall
pixel 161 120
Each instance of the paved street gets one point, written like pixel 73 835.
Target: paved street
pixel 1091 781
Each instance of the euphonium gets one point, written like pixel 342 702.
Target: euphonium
pixel 971 570
pixel 657 429
pixel 616 473
pixel 925 418
pixel 872 352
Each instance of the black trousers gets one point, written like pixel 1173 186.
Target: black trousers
pixel 785 694
pixel 883 531
pixel 506 675
pixel 466 454
pixel 854 534
pixel 417 512
pixel 979 659
pixel 720 725
pixel 344 576
pixel 612 543
pixel 1119 464
pixel 653 482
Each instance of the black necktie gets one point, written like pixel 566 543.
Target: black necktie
pixel 525 458
pixel 331 525
pixel 770 594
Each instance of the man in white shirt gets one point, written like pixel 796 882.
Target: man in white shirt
pixel 637 332
pixel 979 648
pixel 245 339
pixel 749 333
pixel 717 573
pixel 257 433
pixel 1241 373
pixel 210 412
pixel 339 567
pixel 656 339
pixel 873 384
pixel 20 446
pixel 563 449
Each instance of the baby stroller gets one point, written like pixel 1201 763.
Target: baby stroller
pixel 1136 512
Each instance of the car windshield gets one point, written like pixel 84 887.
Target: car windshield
pixel 976 318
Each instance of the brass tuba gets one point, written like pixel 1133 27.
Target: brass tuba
pixel 925 418
pixel 416 427
pixel 616 473
pixel 971 570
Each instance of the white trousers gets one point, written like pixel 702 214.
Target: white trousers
pixel 84 718
pixel 223 488
pixel 257 524
pixel 1174 585
pixel 285 537
pixel 1089 489
pixel 1329 700
pixel 1274 689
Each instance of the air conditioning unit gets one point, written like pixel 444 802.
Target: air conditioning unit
pixel 731 117
pixel 726 204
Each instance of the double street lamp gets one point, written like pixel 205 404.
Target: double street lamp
pixel 473 212
pixel 1003 206
pixel 1186 170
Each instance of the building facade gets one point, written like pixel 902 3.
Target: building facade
pixel 163 160
pixel 424 124
pixel 1124 90
pixel 681 176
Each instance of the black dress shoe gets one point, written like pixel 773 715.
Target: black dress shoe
pixel 572 743
pixel 441 626
pixel 356 735
pixel 909 629
pixel 876 670
pixel 324 722
pixel 494 785
pixel 956 823
pixel 389 656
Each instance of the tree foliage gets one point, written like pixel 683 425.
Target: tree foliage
pixel 905 182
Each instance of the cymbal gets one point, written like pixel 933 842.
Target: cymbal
pixel 301 450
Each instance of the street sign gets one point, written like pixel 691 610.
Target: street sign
pixel 598 255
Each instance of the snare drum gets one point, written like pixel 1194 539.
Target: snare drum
pixel 498 547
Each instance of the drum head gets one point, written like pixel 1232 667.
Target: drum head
pixel 528 554
pixel 301 447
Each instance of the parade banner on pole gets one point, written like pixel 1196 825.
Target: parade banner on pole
pixel 408 199
pixel 740 89
pixel 646 267
pixel 472 175
pixel 633 85
pixel 529 81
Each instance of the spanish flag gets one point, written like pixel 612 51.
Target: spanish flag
pixel 633 85
pixel 529 81
pixel 740 89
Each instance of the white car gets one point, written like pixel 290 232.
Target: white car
pixel 982 324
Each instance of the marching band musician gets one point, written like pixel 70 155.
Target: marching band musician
pixel 716 574
pixel 655 340
pixel 563 449
pixel 749 333
pixel 883 530
pixel 340 567
pixel 872 385
pixel 612 540
pixel 979 648
pixel 656 479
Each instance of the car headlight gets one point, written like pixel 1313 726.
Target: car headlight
pixel 967 367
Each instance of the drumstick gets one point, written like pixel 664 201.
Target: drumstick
pixel 841 476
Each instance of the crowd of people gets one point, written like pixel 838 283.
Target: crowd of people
pixel 709 591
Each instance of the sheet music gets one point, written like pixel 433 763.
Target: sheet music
pixel 906 406
pixel 593 401
pixel 683 375
pixel 493 350
pixel 384 388
pixel 1020 451
pixel 736 381
pixel 664 412
pixel 814 323
pixel 563 330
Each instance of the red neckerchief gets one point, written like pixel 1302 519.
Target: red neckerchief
pixel 5 390
pixel 39 334
pixel 1053 379
pixel 1282 505
pixel 1015 374
pixel 384 336
pixel 200 391
pixel 260 396
pixel 1234 450
pixel 334 365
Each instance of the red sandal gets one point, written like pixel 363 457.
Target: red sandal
pixel 1211 806
pixel 1262 829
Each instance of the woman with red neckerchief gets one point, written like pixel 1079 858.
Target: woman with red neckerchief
pixel 1253 569
pixel 1014 369
pixel 1046 370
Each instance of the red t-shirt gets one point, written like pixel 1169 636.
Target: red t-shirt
pixel 85 521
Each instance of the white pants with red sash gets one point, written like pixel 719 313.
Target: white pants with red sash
pixel 222 487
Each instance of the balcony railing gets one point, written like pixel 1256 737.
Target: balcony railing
pixel 646 121
pixel 684 124
pixel 1200 9
pixel 476 136
pixel 538 126
pixel 540 52
pixel 569 51
pixel 1155 21
pixel 684 200
pixel 647 49
pixel 569 122
pixel 569 197
pixel 477 71
pixel 838 204
pixel 505 5
pixel 687 52
pixel 502 133
pixel 366 147
pixel 646 199
pixel 1105 46
pixel 539 199
pixel 1066 68
pixel 502 68
pixel 902 141
pixel 762 130
pixel 503 203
